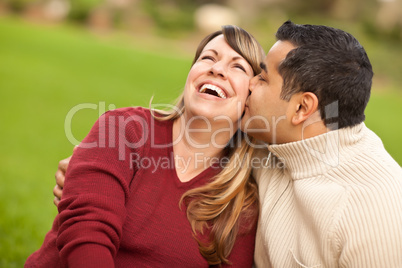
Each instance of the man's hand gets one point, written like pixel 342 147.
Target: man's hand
pixel 60 176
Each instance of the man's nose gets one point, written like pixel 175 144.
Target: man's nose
pixel 252 84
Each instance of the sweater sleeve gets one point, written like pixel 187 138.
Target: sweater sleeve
pixel 92 210
pixel 370 226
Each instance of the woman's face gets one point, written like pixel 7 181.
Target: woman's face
pixel 217 84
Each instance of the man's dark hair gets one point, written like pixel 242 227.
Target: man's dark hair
pixel 331 64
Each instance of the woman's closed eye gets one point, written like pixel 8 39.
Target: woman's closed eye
pixel 241 67
pixel 208 58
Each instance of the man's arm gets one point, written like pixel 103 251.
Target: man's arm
pixel 60 177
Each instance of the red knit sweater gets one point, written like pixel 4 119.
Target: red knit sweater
pixel 120 205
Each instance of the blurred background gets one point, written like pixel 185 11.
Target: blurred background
pixel 57 56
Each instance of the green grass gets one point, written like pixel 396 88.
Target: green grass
pixel 383 117
pixel 44 72
pixel 47 70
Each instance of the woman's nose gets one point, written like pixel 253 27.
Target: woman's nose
pixel 219 69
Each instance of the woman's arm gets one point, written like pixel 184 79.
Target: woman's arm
pixel 92 210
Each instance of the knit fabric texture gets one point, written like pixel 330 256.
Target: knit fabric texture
pixel 334 200
pixel 120 204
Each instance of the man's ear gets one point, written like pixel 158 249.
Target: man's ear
pixel 306 104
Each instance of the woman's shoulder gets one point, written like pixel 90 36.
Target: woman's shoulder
pixel 128 115
pixel 130 111
pixel 134 120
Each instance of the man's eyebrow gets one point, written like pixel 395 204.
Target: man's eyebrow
pixel 263 66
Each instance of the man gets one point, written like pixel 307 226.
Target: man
pixel 330 194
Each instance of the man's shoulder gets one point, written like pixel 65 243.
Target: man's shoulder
pixel 372 172
pixel 371 160
pixel 365 159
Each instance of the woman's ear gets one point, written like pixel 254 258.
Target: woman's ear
pixel 306 104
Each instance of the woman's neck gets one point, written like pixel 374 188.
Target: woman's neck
pixel 198 143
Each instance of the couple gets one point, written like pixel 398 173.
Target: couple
pixel 326 195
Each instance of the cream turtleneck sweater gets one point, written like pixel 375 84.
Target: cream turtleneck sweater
pixel 334 200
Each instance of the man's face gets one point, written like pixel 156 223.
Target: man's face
pixel 266 115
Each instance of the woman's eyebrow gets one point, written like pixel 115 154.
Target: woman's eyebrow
pixel 216 53
pixel 213 50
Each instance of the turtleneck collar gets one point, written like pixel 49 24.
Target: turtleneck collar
pixel 315 156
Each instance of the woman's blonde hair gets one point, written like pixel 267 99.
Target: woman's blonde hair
pixel 232 194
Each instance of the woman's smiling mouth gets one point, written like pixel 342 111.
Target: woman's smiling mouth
pixel 213 90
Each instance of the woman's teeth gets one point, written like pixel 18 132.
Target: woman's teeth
pixel 211 89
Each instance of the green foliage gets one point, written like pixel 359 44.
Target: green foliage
pixel 171 16
pixel 18 6
pixel 393 34
pixel 81 9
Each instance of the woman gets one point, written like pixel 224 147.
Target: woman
pixel 156 189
